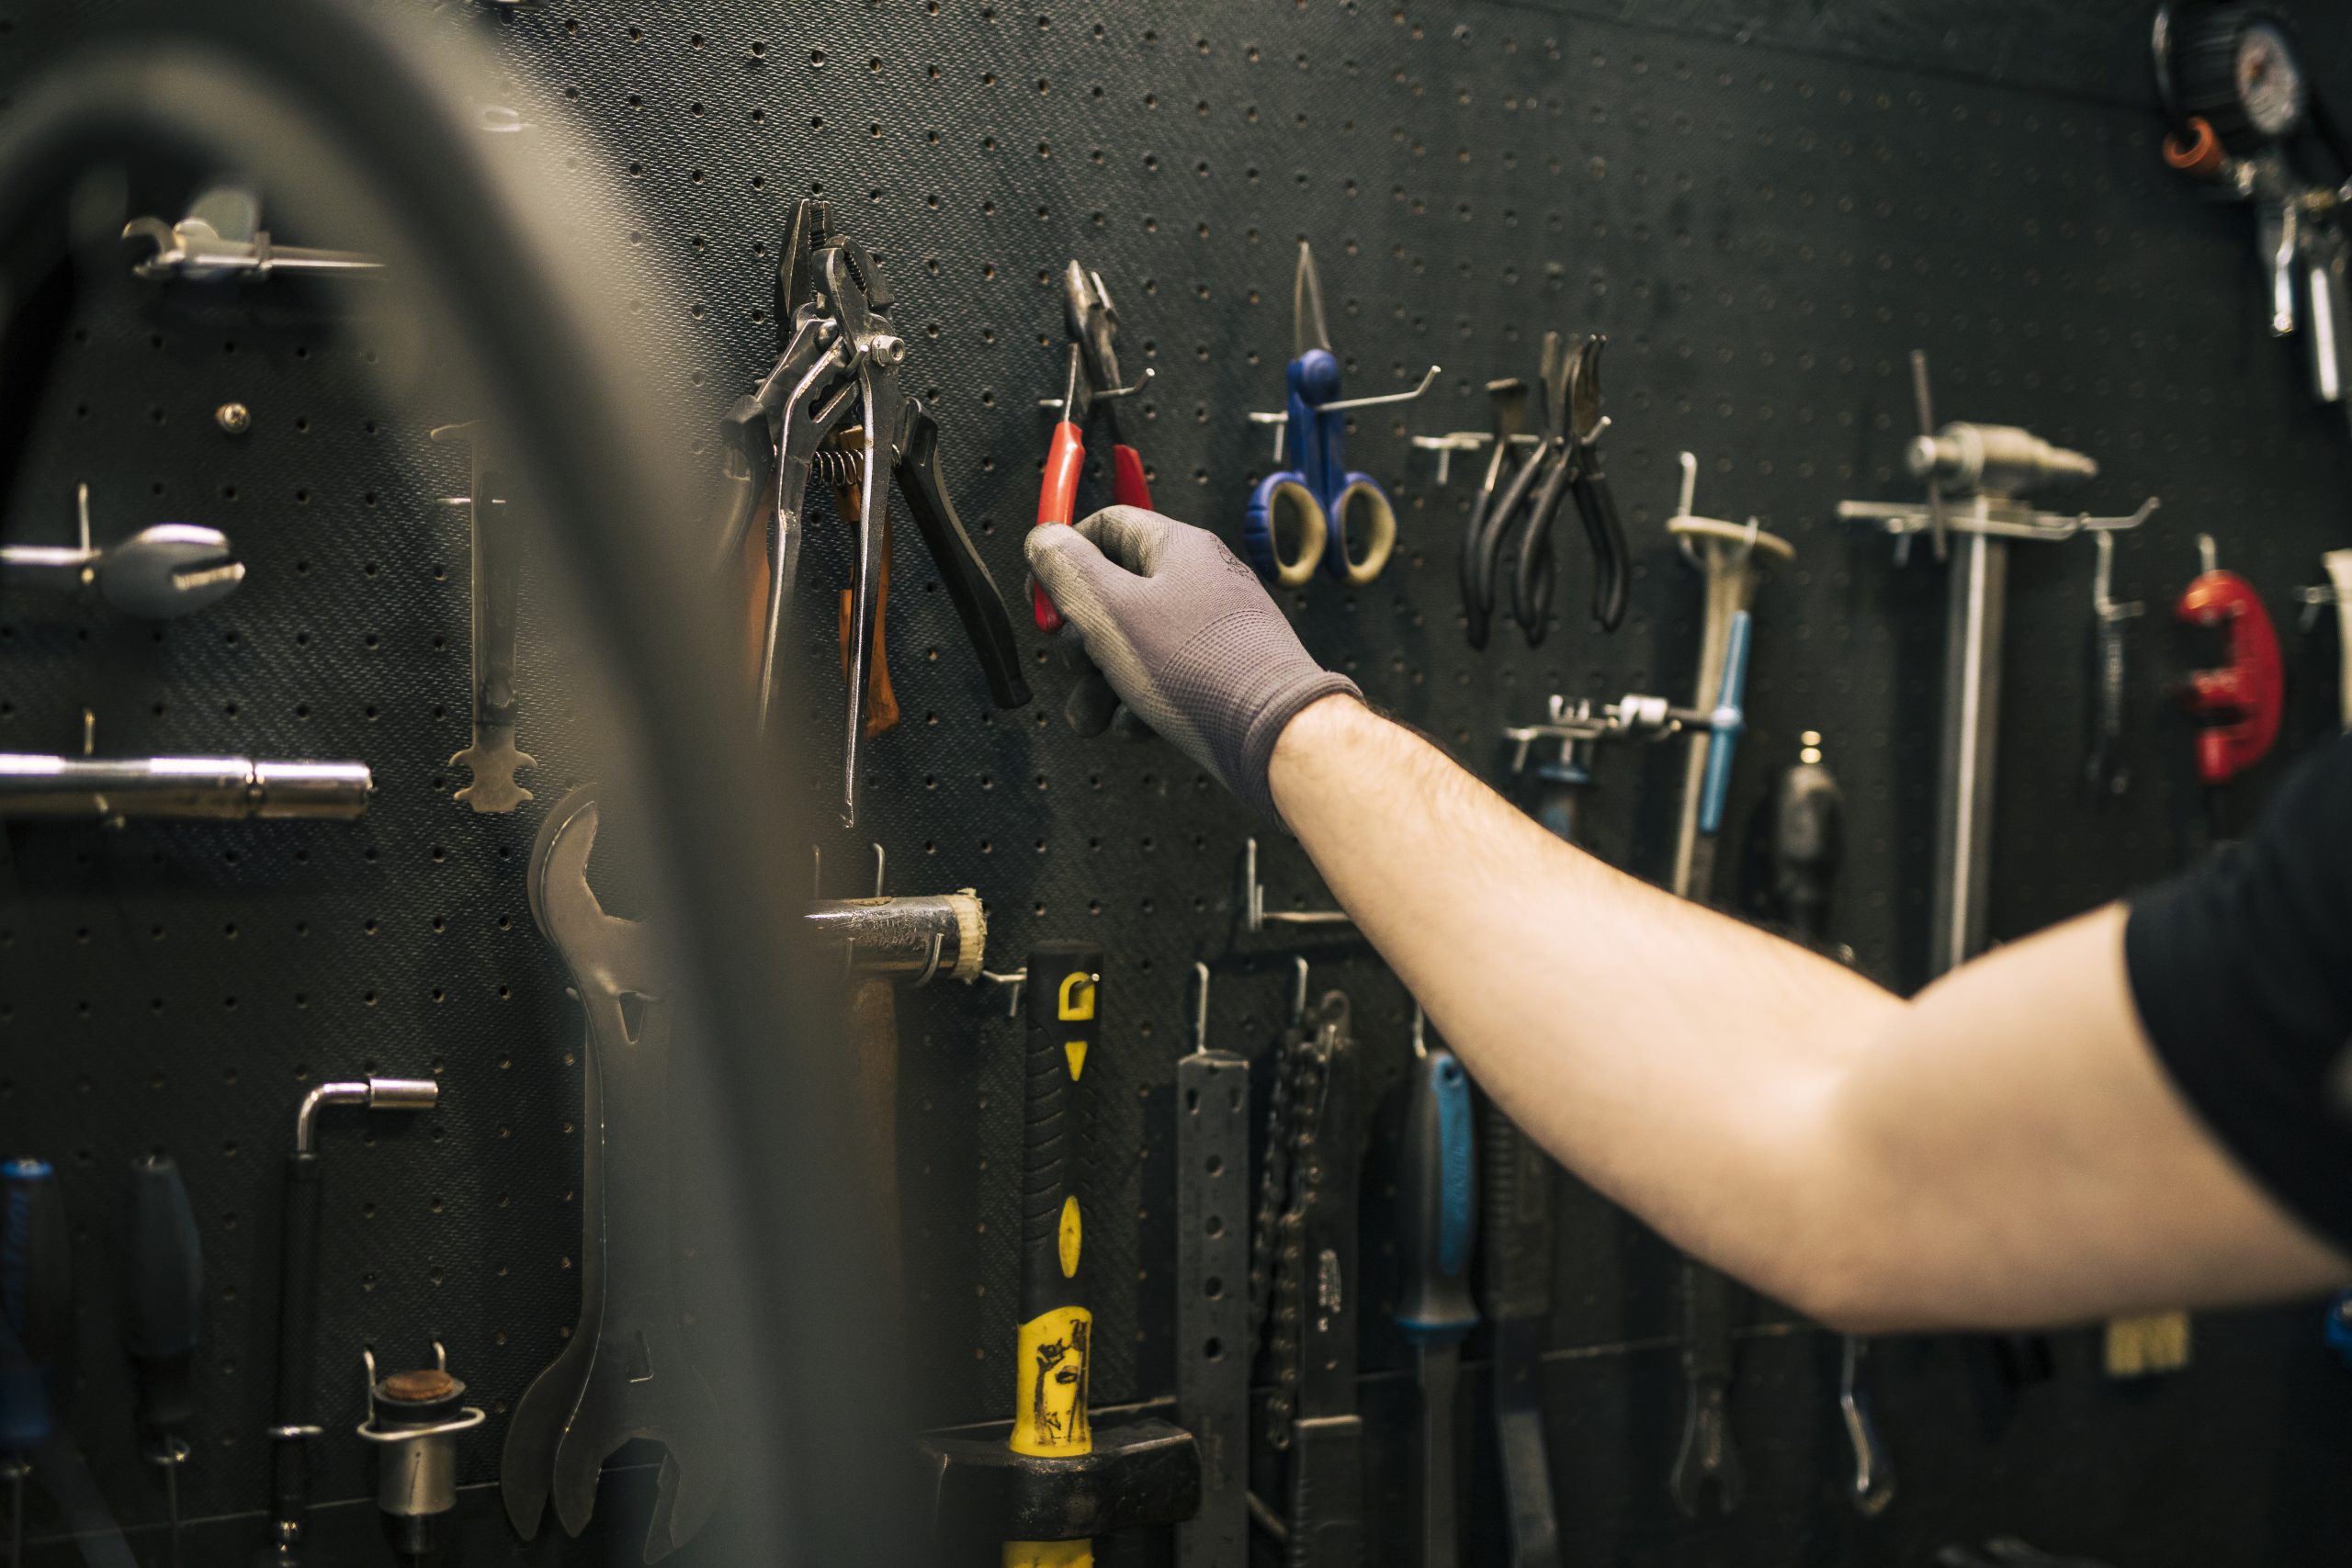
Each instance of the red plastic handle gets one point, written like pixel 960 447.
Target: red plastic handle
pixel 1128 487
pixel 1056 502
pixel 2238 706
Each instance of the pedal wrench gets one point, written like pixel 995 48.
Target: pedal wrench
pixel 638 1380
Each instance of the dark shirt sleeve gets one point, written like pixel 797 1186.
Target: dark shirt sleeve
pixel 2242 972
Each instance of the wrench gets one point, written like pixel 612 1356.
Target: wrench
pixel 163 571
pixel 624 1372
pixel 497 595
pixel 193 248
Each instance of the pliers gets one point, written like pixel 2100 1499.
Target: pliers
pixel 1512 520
pixel 840 366
pixel 1093 384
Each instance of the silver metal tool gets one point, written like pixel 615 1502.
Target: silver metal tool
pixel 624 1373
pixel 497 588
pixel 1991 466
pixel 163 570
pixel 414 1419
pixel 2107 770
pixel 116 789
pixel 218 238
pixel 1873 1485
pixel 2338 593
pixel 302 1209
pixel 1212 1297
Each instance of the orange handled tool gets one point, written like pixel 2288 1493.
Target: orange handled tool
pixel 1058 497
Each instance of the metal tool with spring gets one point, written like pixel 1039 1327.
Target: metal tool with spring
pixel 840 365
pixel 1509 530
pixel 1320 513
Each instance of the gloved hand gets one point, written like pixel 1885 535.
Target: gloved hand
pixel 1185 634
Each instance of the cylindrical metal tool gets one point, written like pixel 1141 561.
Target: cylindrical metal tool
pixel 414 1418
pixel 923 934
pixel 1054 1350
pixel 114 788
pixel 298 1276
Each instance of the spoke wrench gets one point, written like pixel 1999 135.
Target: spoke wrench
pixel 624 1372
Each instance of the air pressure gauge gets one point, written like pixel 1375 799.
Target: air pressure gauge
pixel 2235 68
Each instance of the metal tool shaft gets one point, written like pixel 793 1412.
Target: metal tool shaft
pixel 108 788
pixel 1978 592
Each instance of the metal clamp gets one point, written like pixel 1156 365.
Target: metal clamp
pixel 1256 917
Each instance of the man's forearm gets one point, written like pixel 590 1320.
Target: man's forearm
pixel 1678 1054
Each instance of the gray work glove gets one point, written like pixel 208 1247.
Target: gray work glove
pixel 1187 637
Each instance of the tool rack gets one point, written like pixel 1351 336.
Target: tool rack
pixel 1765 217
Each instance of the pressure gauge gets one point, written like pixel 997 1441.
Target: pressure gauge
pixel 2235 67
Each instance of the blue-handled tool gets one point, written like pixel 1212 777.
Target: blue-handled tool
pixel 35 1324
pixel 1437 1187
pixel 1302 517
pixel 1725 723
pixel 163 1316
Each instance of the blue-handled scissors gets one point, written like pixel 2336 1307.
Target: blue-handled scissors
pixel 1320 512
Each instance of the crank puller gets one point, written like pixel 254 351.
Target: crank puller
pixel 414 1419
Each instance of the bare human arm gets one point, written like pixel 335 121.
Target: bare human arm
pixel 2001 1151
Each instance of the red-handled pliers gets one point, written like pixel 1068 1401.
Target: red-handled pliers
pixel 1093 385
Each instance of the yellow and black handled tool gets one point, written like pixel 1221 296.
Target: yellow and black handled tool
pixel 1056 1344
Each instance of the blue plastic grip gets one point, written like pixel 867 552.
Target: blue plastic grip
pixel 2340 1325
pixel 35 1300
pixel 1457 1166
pixel 1724 725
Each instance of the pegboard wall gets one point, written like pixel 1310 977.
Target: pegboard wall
pixel 1765 213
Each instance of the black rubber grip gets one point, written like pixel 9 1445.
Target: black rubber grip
pixel 298 1286
pixel 1065 1011
pixel 35 1265
pixel 166 1309
pixel 969 586
pixel 1515 1279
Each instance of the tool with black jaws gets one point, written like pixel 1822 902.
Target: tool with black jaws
pixel 1093 387
pixel 36 1325
pixel 1304 1260
pixel 1212 1294
pixel 840 365
pixel 496 584
pixel 1437 1222
pixel 624 1372
pixel 163 1319
pixel 297 1302
pixel 1807 844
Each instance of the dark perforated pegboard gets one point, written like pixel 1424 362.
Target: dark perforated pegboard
pixel 1763 227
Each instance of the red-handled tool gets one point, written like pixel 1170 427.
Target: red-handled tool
pixel 1058 497
pixel 1093 327
pixel 2236 704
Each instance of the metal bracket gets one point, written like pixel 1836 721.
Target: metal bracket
pixel 1281 421
pixel 1256 917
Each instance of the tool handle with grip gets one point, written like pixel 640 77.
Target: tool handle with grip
pixel 1437 1201
pixel 1515 1222
pixel 166 1305
pixel 36 1301
pixel 1613 566
pixel 966 577
pixel 1056 1322
pixel 1128 485
pixel 1808 845
pixel 298 1281
pixel 1058 503
pixel 1725 723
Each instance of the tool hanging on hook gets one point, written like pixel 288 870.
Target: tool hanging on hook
pixel 162 571
pixel 2236 704
pixel 1311 515
pixel 1212 1302
pixel 1093 387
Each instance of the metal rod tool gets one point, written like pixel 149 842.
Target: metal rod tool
pixel 116 789
pixel 300 1206
pixel 495 583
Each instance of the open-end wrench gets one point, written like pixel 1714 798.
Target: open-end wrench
pixel 624 1372
pixel 163 571
pixel 193 248
pixel 497 596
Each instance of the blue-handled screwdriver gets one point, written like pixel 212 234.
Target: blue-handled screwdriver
pixel 165 1311
pixel 36 1323
pixel 1437 1186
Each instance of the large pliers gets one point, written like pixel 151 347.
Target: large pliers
pixel 1509 530
pixel 1093 387
pixel 840 365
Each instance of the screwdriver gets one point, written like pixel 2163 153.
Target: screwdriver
pixel 1437 1222
pixel 165 1310
pixel 36 1323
